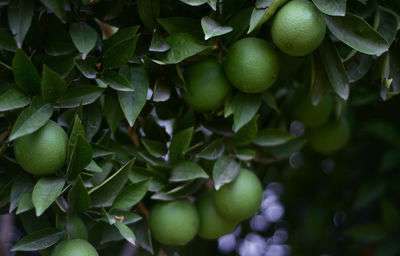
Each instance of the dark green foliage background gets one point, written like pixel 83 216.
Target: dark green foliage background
pixel 61 60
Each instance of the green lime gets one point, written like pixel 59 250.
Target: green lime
pixel 212 224
pixel 206 86
pixel 44 151
pixel 304 111
pixel 252 65
pixel 241 198
pixel 298 28
pixel 76 228
pixel 330 137
pixel 174 222
pixel 76 247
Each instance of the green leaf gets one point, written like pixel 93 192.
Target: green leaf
pixel 247 133
pixel 7 41
pixel 31 119
pixel 38 240
pixel 13 99
pixel 25 73
pixel 45 192
pixel 260 16
pixel 388 26
pixel 320 82
pixel 332 7
pixel 239 22
pixel 57 6
pixel 131 195
pixel 245 154
pixel 272 137
pixel 213 151
pixel 185 171
pixel 126 232
pixel 76 131
pixel 334 69
pixel 5 192
pixel 157 179
pixel 132 103
pixel 211 28
pixel 158 44
pixel 25 204
pixel 112 110
pixel 117 81
pixel 187 25
pixel 155 148
pixel 194 2
pixel 175 191
pixel 104 194
pixel 53 85
pixel 92 119
pixel 148 10
pixel 22 185
pixel 87 67
pixel 81 156
pixel 366 233
pixel 225 171
pixel 81 95
pixel 270 100
pixel 183 46
pixel 78 197
pixel 83 36
pixel 179 144
pixel 245 106
pixel 357 66
pixel 93 167
pixel 20 13
pixel 368 193
pixel 119 48
pixel 357 33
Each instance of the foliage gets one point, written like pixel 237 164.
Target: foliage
pixel 111 74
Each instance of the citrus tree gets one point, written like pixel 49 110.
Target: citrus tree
pixel 197 127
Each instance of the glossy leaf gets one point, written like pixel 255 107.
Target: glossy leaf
pixel 133 102
pixel 25 204
pixel 131 195
pixel 272 137
pixel 31 119
pixel 211 28
pixel 247 133
pixel 76 131
pixel 45 192
pixel 38 240
pixel 245 106
pixel 83 36
pixel 357 33
pixel 331 7
pixel 81 156
pixel 213 151
pixel 126 232
pixel 20 15
pixel 22 185
pixel 87 67
pixel 13 99
pixel 187 171
pixel 57 6
pixel 225 171
pixel 158 43
pixel 187 25
pixel 25 73
pixel 78 197
pixel 260 15
pixel 155 148
pixel 81 95
pixel 179 144
pixel 53 85
pixel 117 81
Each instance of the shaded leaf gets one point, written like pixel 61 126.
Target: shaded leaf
pixel 25 204
pixel 7 41
pixel 87 67
pixel 225 171
pixel 31 119
pixel 25 73
pixel 158 44
pixel 78 197
pixel 272 137
pixel 155 148
pixel 53 85
pixel 57 6
pixel 213 151
pixel 131 195
pixel 22 185
pixel 187 171
pixel 245 106
pixel 112 110
pixel 332 7
pixel 211 28
pixel 260 16
pixel 20 13
pixel 247 133
pixel 188 25
pixel 81 156
pixel 45 192
pixel 117 81
pixel 38 240
pixel 13 99
pixel 83 36
pixel 126 232
pixel 81 95
pixel 179 144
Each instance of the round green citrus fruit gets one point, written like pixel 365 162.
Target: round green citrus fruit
pixel 241 198
pixel 174 222
pixel 212 224
pixel 44 151
pixel 74 248
pixel 251 65
pixel 304 111
pixel 298 28
pixel 206 86
pixel 76 228
pixel 330 137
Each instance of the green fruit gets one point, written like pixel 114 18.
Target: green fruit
pixel 174 222
pixel 44 151
pixel 304 111
pixel 76 228
pixel 251 65
pixel 76 247
pixel 298 28
pixel 330 137
pixel 241 198
pixel 212 224
pixel 206 86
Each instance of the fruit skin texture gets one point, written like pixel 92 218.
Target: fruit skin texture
pixel 207 86
pixel 304 111
pixel 76 228
pixel 76 247
pixel 298 28
pixel 241 198
pixel 252 65
pixel 212 224
pixel 44 151
pixel 330 137
pixel 174 222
